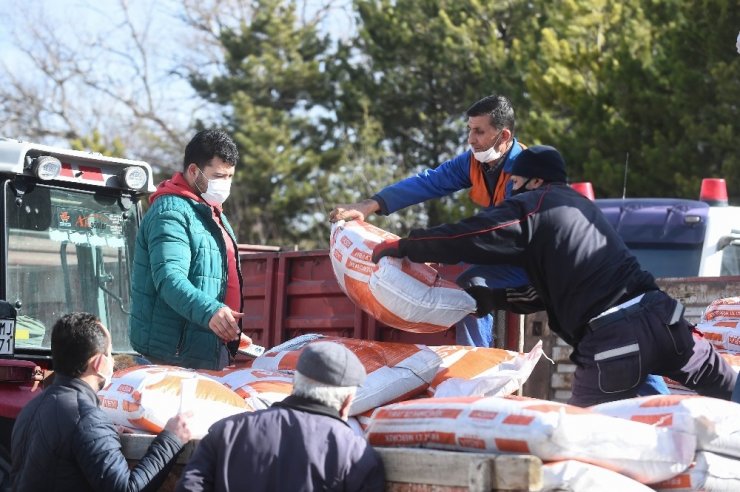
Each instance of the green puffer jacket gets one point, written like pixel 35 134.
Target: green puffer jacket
pixel 178 282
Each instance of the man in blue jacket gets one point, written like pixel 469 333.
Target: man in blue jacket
pixel 484 170
pixel 186 298
pixel 62 440
pixel 301 443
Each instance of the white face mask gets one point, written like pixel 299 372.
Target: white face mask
pixel 108 376
pixel 218 190
pixel 491 154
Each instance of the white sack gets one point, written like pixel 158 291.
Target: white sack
pixel 399 293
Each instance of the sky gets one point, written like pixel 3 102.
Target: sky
pixel 79 21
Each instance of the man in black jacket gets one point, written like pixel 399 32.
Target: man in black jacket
pixel 302 443
pixel 63 441
pixel 598 299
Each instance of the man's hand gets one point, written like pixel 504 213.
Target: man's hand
pixel 179 425
pixel 352 211
pixel 223 324
pixel 389 247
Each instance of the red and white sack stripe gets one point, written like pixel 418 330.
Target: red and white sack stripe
pixel 549 430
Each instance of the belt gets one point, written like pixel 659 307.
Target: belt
pixel 620 311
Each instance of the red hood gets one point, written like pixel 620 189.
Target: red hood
pixel 178 186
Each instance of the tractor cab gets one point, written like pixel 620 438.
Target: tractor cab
pixel 69 225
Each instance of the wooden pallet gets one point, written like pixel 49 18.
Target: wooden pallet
pixel 407 469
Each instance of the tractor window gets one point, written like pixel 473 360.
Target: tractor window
pixel 68 250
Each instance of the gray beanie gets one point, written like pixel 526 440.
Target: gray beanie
pixel 332 364
pixel 540 161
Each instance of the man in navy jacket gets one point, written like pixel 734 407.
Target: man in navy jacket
pixel 597 297
pixel 63 441
pixel 302 443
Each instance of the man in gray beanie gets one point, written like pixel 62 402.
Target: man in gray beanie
pixel 301 443
pixel 597 297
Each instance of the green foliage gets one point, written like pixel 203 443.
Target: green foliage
pixel 96 143
pixel 422 63
pixel 278 96
pixel 321 122
pixel 657 80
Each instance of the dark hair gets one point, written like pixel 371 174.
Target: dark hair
pixel 499 108
pixel 75 338
pixel 207 144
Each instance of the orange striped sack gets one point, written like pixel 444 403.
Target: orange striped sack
pixel 714 422
pixel 146 397
pixel 727 308
pixel 576 475
pixel 395 371
pixel 723 334
pixel 552 431
pixel 709 472
pixel 399 293
pixel 480 371
pixel 260 388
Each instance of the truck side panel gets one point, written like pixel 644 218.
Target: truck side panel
pixel 287 294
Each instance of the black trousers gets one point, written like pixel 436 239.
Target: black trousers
pixel 620 349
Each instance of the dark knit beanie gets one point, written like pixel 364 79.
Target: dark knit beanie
pixel 540 161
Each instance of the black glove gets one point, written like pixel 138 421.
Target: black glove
pixel 520 300
pixel 389 247
pixel 486 300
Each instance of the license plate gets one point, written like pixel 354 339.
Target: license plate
pixel 7 342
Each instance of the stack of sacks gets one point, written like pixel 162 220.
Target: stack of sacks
pixel 478 371
pixel 402 294
pixel 552 431
pixel 720 325
pixel 714 422
pixel 395 371
pixel 475 371
pixel 146 397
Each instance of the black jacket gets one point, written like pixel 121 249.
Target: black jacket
pixel 296 445
pixel 574 258
pixel 62 441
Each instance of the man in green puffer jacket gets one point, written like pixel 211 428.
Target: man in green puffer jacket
pixel 186 285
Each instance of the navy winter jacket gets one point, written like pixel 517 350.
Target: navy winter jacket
pixel 63 441
pixel 296 445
